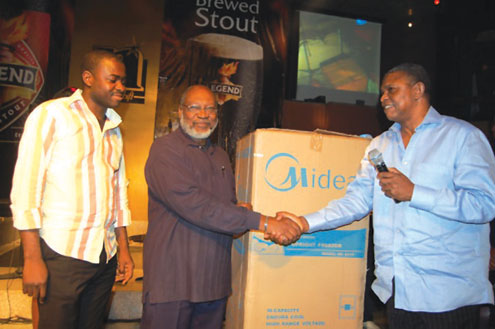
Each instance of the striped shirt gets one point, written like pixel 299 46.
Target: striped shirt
pixel 69 180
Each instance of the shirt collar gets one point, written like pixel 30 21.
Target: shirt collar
pixel 432 118
pixel 191 142
pixel 113 117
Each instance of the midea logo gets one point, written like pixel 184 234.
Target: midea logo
pixel 284 173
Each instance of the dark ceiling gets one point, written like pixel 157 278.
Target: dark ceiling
pixel 454 40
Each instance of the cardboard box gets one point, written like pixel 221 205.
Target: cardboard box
pixel 318 282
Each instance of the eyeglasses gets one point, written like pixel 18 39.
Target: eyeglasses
pixel 195 109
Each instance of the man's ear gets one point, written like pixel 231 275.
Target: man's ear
pixel 87 78
pixel 419 90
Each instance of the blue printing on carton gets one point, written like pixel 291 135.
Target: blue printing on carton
pixel 239 246
pixel 333 243
pixel 347 306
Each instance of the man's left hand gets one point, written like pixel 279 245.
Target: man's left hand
pixel 396 185
pixel 125 268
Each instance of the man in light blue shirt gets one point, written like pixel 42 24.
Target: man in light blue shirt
pixel 432 243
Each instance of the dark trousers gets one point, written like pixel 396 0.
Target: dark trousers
pixel 184 315
pixel 77 291
pixel 467 317
pixel 491 321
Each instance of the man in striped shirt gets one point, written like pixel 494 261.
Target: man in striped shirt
pixel 69 199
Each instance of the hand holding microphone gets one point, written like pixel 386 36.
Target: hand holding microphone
pixel 376 160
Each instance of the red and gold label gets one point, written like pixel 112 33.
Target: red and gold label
pixel 23 59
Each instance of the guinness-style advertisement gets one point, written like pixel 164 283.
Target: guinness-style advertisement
pixel 24 48
pixel 24 44
pixel 235 74
pixel 214 43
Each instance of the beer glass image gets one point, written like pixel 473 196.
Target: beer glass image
pixel 233 69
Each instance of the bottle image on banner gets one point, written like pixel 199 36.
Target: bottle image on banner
pixel 233 69
pixel 216 44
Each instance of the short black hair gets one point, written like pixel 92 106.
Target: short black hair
pixel 416 72
pixel 93 58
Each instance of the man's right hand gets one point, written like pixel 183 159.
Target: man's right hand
pixel 35 273
pixel 300 220
pixel 34 278
pixel 283 231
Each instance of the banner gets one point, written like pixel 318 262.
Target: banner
pixel 215 43
pixel 24 48
pixel 24 45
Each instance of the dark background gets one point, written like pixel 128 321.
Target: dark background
pixel 454 41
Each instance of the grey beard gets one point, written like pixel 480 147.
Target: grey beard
pixel 190 130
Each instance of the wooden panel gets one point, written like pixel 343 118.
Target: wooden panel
pixel 344 118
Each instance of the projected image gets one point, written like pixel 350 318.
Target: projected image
pixel 338 58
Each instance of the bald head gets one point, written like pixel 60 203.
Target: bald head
pixel 195 88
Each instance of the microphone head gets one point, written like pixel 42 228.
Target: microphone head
pixel 376 160
pixel 375 157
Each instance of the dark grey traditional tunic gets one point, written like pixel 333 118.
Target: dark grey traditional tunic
pixel 192 216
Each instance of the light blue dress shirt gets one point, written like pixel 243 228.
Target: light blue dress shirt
pixel 437 245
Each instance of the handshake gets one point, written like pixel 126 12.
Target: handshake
pixel 285 228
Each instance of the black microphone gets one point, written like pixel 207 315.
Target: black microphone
pixel 376 160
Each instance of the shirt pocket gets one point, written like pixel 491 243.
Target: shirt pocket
pixel 112 151
pixel 432 174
